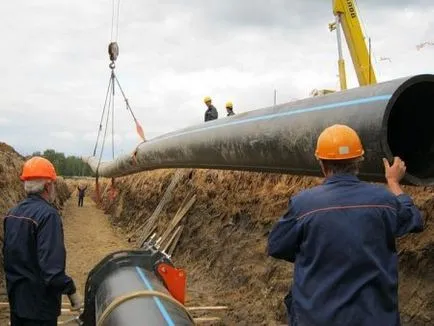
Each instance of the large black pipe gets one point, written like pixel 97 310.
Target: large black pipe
pixel 393 118
pixel 110 289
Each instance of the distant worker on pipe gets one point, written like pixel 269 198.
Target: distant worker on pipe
pixel 34 251
pixel 341 238
pixel 230 109
pixel 211 113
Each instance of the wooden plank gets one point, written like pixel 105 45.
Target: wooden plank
pixel 6 304
pixel 166 197
pixel 178 213
pixel 207 308
pixel 206 319
pixel 146 228
pixel 178 217
pixel 64 322
pixel 175 241
pixel 147 234
pixel 169 242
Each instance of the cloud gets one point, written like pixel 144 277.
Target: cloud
pixel 4 121
pixel 172 54
pixel 63 135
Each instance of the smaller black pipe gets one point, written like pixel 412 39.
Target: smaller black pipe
pixel 138 311
pixel 121 274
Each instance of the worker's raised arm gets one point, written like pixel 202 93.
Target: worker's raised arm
pixel 284 238
pixel 52 254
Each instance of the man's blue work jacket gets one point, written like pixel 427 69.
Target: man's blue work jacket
pixel 34 260
pixel 341 238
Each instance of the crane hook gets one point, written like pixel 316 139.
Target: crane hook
pixel 113 50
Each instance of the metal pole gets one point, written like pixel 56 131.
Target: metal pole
pixel 341 62
pixel 369 68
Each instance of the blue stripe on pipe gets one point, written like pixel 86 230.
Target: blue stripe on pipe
pixel 157 300
pixel 283 114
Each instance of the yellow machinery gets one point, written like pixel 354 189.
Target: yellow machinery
pixel 346 17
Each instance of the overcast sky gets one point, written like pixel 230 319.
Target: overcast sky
pixel 54 61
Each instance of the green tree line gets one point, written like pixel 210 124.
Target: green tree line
pixel 66 165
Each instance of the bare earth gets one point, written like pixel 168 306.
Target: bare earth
pixel 89 237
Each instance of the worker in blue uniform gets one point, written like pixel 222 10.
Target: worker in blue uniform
pixel 34 252
pixel 81 194
pixel 341 238
pixel 211 112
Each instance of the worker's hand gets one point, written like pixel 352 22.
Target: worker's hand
pixel 396 172
pixel 76 301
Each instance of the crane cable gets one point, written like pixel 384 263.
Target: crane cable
pixel 109 106
pixel 113 51
pixel 113 20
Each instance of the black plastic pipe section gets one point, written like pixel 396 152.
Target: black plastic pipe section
pixel 138 311
pixel 393 118
pixel 122 274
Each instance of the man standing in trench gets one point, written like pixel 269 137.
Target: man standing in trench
pixel 81 193
pixel 341 238
pixel 34 251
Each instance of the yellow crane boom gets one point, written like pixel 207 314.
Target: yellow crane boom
pixel 346 17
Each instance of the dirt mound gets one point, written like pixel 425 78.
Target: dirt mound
pixel 11 189
pixel 6 149
pixel 62 193
pixel 223 246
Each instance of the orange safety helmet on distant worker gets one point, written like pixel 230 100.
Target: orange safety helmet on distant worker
pixel 338 142
pixel 38 168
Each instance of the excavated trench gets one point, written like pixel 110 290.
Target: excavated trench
pixel 223 245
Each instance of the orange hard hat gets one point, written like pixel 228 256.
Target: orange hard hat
pixel 38 168
pixel 338 142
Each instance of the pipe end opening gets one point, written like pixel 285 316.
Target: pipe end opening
pixel 410 132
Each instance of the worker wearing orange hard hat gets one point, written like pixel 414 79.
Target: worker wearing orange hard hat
pixel 34 251
pixel 211 112
pixel 341 238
